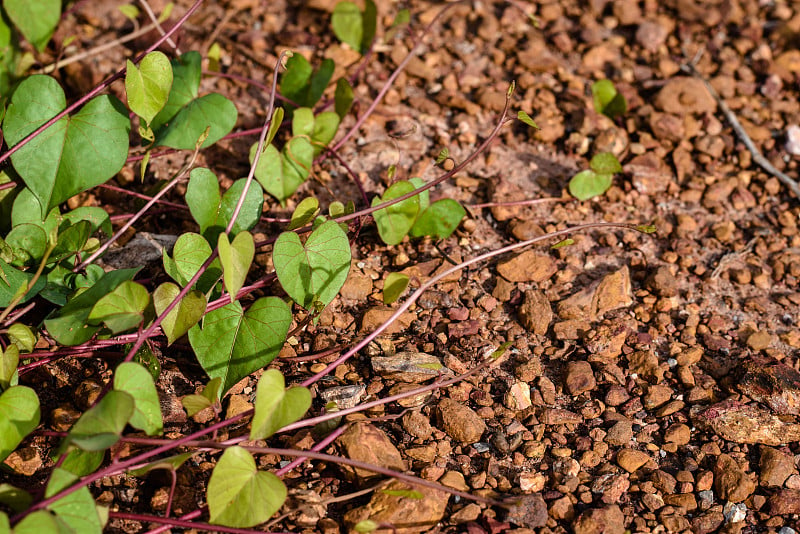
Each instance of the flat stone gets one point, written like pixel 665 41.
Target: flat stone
pixel 745 423
pixel 620 434
pixel 535 312
pixel 631 459
pixel 785 501
pixel 774 467
pixel 611 292
pixel 678 434
pixel 357 287
pixel 730 481
pixel 645 363
pixel 406 515
pixel 684 94
pixel 344 396
pixel 417 425
pixel 367 443
pixel 411 367
pixel 608 520
pixel 530 266
pixel 460 422
pixel 579 377
pixel 375 317
pixel 528 511
pixel 773 383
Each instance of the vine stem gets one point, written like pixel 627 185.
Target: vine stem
pixel 102 86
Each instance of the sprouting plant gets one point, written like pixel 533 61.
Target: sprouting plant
pixel 607 100
pixel 595 180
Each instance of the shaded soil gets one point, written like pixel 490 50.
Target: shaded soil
pixel 651 384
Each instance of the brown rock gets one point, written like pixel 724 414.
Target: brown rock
pixel 611 487
pixel 686 501
pixel 759 340
pixel 406 515
pixel 357 287
pixel 375 317
pixel 785 501
pixel 366 443
pixel 557 416
pixel 682 95
pixel 651 35
pixel 773 383
pixel 528 511
pixel 579 377
pixel 411 367
pixel 460 422
pixel 620 434
pixel 631 459
pixel 530 266
pixel 649 174
pixel 774 467
pixel 605 342
pixel 24 461
pixel 662 282
pixel 730 481
pixel 562 509
pixel 611 292
pixel 608 520
pixel 678 434
pixel 657 394
pixel 645 363
pixel 667 126
pixel 535 313
pixel 745 423
pixel 417 425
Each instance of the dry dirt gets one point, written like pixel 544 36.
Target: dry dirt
pixel 651 384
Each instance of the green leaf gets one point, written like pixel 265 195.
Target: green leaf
pixel 587 184
pixel 29 242
pixel 348 24
pixel 80 462
pixel 607 100
pixel 316 271
pixel 22 336
pixel 393 287
pixel 213 212
pixel 189 254
pixel 97 217
pixel 36 19
pixel 208 397
pixel 72 239
pixel 68 325
pixel 233 343
pixel 136 381
pixel 42 521
pixel 77 509
pixel 563 243
pixel 281 173
pixel 239 495
pixel 524 117
pixel 343 97
pixel 406 493
pixel 122 309
pixel 274 125
pixel 236 258
pixel 101 425
pixel 15 498
pixel 276 406
pixel 443 155
pixel 395 221
pixel 185 117
pixel 295 79
pixel 19 416
pixel 605 163
pixel 170 463
pixel 5 524
pixel 369 21
pixel 129 10
pixel 366 526
pixel 184 315
pixel 320 129
pixel 647 228
pixel 213 112
pixel 148 85
pixel 319 81
pixel 76 153
pixel 440 220
pixel 9 360
pixel 304 213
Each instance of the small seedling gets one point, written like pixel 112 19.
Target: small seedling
pixel 597 179
pixel 607 100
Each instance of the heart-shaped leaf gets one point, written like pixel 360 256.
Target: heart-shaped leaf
pixel 148 85
pixel 316 271
pixel 101 425
pixel 440 219
pixel 74 154
pixel 36 19
pixel 281 173
pixel 189 254
pixel 185 117
pixel 233 343
pixel 78 509
pixel 12 279
pixel 42 521
pixel 136 381
pixel 348 25
pixel 236 259
pixel 182 317
pixel 393 287
pixel 69 325
pixel 588 184
pixel 321 129
pixel 276 406
pixel 213 212
pixel 239 495
pixel 210 395
pixel 607 100
pixel 605 163
pixel 19 415
pixel 304 213
pixel 395 221
pixel 301 84
pixel 15 498
pixel 122 309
